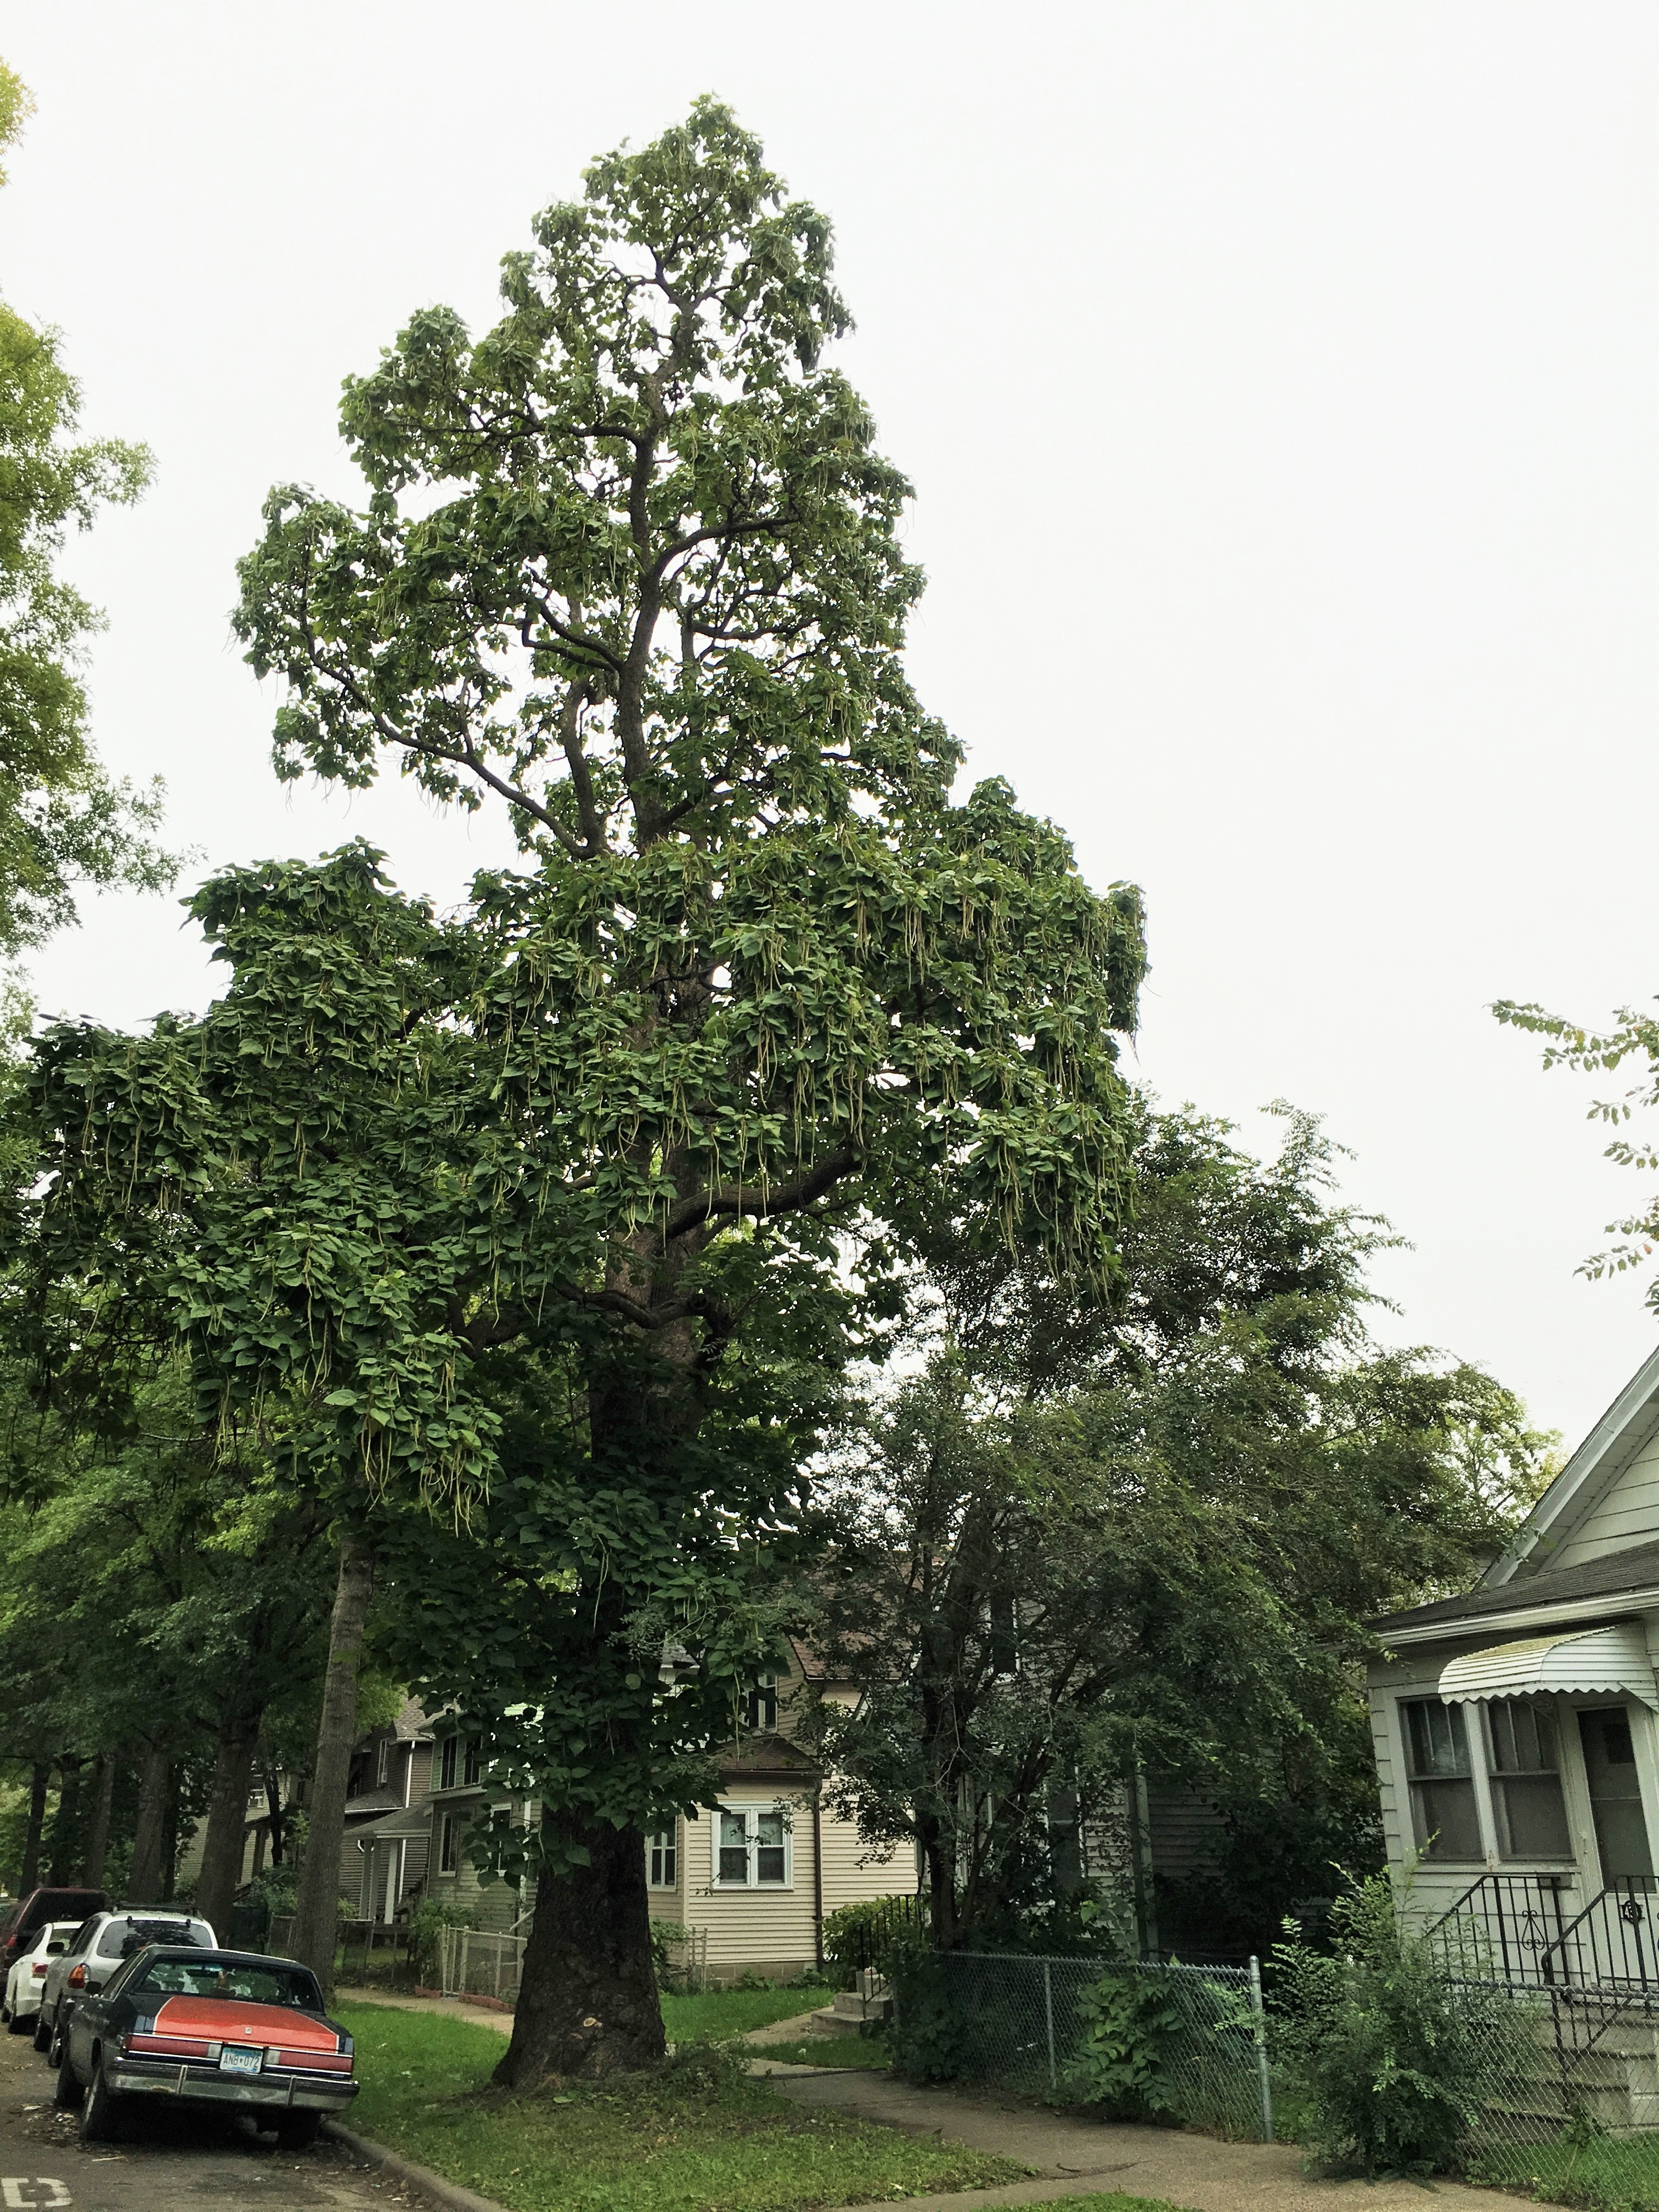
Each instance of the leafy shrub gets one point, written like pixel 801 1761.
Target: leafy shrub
pixel 428 1918
pixel 669 1974
pixel 1394 2055
pixel 1132 2027
pixel 928 2036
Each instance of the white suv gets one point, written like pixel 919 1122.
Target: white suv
pixel 23 1982
pixel 97 1948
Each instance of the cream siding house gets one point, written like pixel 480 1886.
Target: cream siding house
pixel 754 1878
pixel 1516 1728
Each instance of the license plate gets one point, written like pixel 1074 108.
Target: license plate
pixel 234 2060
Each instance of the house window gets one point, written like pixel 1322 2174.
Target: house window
pixel 448 1858
pixel 1443 1812
pixel 383 1762
pixel 665 1860
pixel 472 1765
pixel 760 1707
pixel 1526 1781
pixel 751 1848
pixel 448 1759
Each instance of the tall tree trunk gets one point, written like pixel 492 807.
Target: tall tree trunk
pixel 316 1919
pixel 275 1812
pixel 40 1776
pixel 145 1883
pixel 96 1847
pixel 170 1836
pixel 226 1822
pixel 65 1855
pixel 587 1993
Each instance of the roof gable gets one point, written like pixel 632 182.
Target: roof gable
pixel 1605 1498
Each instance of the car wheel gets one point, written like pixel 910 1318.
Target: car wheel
pixel 42 2031
pixel 20 2023
pixel 297 2131
pixel 104 2109
pixel 67 2092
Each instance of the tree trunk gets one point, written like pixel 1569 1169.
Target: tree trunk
pixel 40 1776
pixel 96 1847
pixel 66 1828
pixel 587 1995
pixel 145 1883
pixel 316 1919
pixel 226 1823
pixel 276 1816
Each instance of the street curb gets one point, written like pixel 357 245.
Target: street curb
pixel 418 2176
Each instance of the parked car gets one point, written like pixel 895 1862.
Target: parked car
pixel 229 2030
pixel 96 1950
pixel 17 1930
pixel 21 2005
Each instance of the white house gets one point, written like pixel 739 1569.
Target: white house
pixel 1517 1728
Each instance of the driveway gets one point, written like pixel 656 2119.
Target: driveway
pixel 173 2161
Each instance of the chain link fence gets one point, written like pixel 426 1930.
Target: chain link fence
pixel 1185 2043
pixel 1567 2103
pixel 480 1962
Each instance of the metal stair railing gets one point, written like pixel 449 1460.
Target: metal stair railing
pixel 1612 1943
pixel 1508 1926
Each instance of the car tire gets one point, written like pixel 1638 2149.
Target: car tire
pixel 297 2131
pixel 103 2110
pixel 42 2031
pixel 66 2092
pixel 20 2023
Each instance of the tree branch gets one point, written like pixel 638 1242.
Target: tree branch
pixel 765 1201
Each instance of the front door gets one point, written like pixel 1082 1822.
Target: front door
pixel 1615 1795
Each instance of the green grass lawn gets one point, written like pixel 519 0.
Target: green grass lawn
pixel 865 2054
pixel 735 2012
pixel 700 2137
pixel 1611 2171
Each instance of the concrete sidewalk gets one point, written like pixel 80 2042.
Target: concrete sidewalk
pixel 446 2008
pixel 1075 2158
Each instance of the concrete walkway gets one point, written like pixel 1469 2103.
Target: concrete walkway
pixel 1075 2158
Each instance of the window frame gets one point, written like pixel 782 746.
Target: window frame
pixel 382 1762
pixel 1498 1779
pixel 1472 1776
pixel 751 1816
pixel 472 1764
pixel 760 1705
pixel 449 1843
pixel 662 1859
pixel 449 1753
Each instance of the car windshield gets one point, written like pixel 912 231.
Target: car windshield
pixel 123 1938
pixel 253 1983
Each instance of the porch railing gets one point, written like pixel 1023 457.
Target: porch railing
pixel 1506 1927
pixel 1612 1943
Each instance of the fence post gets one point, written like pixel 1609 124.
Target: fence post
pixel 1048 2016
pixel 1259 2024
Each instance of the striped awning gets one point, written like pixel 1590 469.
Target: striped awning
pixel 1590 1661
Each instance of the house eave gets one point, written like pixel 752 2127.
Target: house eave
pixel 1623 1431
pixel 1607 1605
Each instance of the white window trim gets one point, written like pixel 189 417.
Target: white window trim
pixel 750 1813
pixel 449 1845
pixel 671 1844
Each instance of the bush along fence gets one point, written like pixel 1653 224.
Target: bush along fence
pixel 1130 2040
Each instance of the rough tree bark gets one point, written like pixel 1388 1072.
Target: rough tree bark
pixel 587 1999
pixel 96 1847
pixel 145 1883
pixel 315 1918
pixel 40 1776
pixel 226 1822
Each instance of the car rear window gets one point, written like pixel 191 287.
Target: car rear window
pixel 271 1984
pixel 123 1936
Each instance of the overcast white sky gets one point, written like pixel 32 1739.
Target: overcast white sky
pixel 1278 384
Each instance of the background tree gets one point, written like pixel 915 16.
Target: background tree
pixel 63 819
pixel 1634 1036
pixel 1099 1538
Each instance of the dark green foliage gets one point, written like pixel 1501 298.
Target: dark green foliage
pixel 1132 2028
pixel 1393 2055
pixel 929 2043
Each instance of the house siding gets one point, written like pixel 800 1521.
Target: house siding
pixel 1627 1514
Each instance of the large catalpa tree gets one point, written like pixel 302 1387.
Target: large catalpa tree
pixel 628 566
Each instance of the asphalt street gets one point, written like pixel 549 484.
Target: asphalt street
pixel 173 2161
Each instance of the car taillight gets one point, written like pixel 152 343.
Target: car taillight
pixel 77 1980
pixel 39 1970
